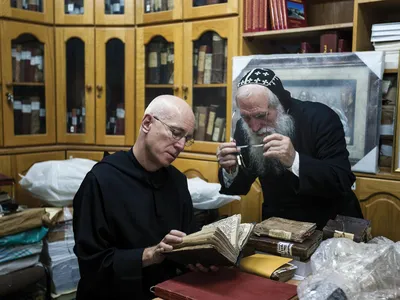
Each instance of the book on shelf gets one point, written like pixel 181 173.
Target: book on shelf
pixel 219 243
pixel 227 283
pixel 208 125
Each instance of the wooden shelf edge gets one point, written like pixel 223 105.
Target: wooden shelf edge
pixel 390 71
pixel 308 29
pixel 380 175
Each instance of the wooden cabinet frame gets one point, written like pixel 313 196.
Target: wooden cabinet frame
pixel 128 18
pixel 47 16
pixel 86 18
pixel 212 10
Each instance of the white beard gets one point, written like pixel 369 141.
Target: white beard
pixel 258 163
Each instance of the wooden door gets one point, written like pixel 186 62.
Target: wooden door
pixel 41 11
pixel 160 12
pixel 1 93
pixel 380 203
pixel 74 12
pixel 75 85
pixel 200 9
pixel 28 87
pixel 210 46
pixel 6 169
pixel 22 164
pixel 159 65
pixel 115 80
pixel 115 12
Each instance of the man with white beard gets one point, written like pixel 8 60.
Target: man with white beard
pixel 302 163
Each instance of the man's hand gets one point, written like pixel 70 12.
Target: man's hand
pixel 154 255
pixel 201 268
pixel 226 155
pixel 280 147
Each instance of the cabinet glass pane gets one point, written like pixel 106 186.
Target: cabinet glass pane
pixel 152 93
pixel 74 7
pixel 114 7
pixel 115 87
pixel 207 2
pixel 159 62
pixel 32 5
pixel 28 85
pixel 152 6
pixel 389 96
pixel 75 85
pixel 209 86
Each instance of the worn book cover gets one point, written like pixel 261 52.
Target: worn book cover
pixel 285 229
pixel 358 230
pixel 218 243
pixel 275 246
pixel 227 283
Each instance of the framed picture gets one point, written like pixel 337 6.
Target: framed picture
pixel 349 83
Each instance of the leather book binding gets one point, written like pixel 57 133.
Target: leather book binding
pixel 358 230
pixel 227 283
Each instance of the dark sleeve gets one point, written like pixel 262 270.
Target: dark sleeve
pixel 98 258
pixel 189 222
pixel 329 172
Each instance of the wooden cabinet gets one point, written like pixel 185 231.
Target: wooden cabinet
pixel 93 155
pixel 73 12
pixel 380 203
pixel 167 63
pixel 223 8
pixel 96 85
pixel 75 61
pixel 206 170
pixel 146 14
pixel 40 12
pixel 6 169
pixel 115 12
pixel 115 80
pixel 22 163
pixel 1 93
pixel 28 84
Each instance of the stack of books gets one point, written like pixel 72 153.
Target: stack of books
pixel 386 37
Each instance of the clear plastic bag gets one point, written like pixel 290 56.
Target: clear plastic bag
pixel 353 271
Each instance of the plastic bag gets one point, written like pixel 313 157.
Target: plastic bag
pixel 56 182
pixel 353 271
pixel 206 195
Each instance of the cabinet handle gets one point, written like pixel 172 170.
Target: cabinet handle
pixel 9 85
pixel 176 88
pixel 185 88
pixel 88 87
pixel 99 87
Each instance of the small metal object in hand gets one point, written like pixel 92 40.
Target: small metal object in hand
pixel 247 146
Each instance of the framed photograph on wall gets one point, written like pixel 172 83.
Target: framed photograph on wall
pixel 349 83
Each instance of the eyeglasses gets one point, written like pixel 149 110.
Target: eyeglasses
pixel 177 134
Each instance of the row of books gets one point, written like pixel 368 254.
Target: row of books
pixel 160 63
pixel 116 121
pixel 386 37
pixel 208 126
pixel 29 116
pixel 262 15
pixel 210 61
pixel 27 62
pixel 32 5
pixel 76 121
pixel 114 7
pixel 151 6
pixel 329 42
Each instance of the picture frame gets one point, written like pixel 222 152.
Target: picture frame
pixel 349 83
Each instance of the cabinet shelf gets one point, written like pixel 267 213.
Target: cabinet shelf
pixel 298 32
pixel 390 71
pixel 212 85
pixel 160 86
pixel 28 84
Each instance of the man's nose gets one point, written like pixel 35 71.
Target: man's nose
pixel 255 125
pixel 180 144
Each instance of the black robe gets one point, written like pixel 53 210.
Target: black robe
pixel 119 210
pixel 323 188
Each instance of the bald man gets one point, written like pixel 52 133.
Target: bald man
pixel 302 161
pixel 132 206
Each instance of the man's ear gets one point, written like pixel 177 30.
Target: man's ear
pixel 146 123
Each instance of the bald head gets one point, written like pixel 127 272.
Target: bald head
pixel 168 107
pixel 256 91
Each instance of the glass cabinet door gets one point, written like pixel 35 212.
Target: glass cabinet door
pixel 158 11
pixel 74 12
pixel 211 46
pixel 195 9
pixel 28 10
pixel 114 89
pixel 75 85
pixel 28 74
pixel 159 65
pixel 115 12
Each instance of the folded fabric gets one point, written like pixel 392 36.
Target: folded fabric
pixel 19 264
pixel 285 229
pixel 24 238
pixel 18 251
pixel 21 221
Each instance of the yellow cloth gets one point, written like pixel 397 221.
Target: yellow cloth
pixel 263 265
